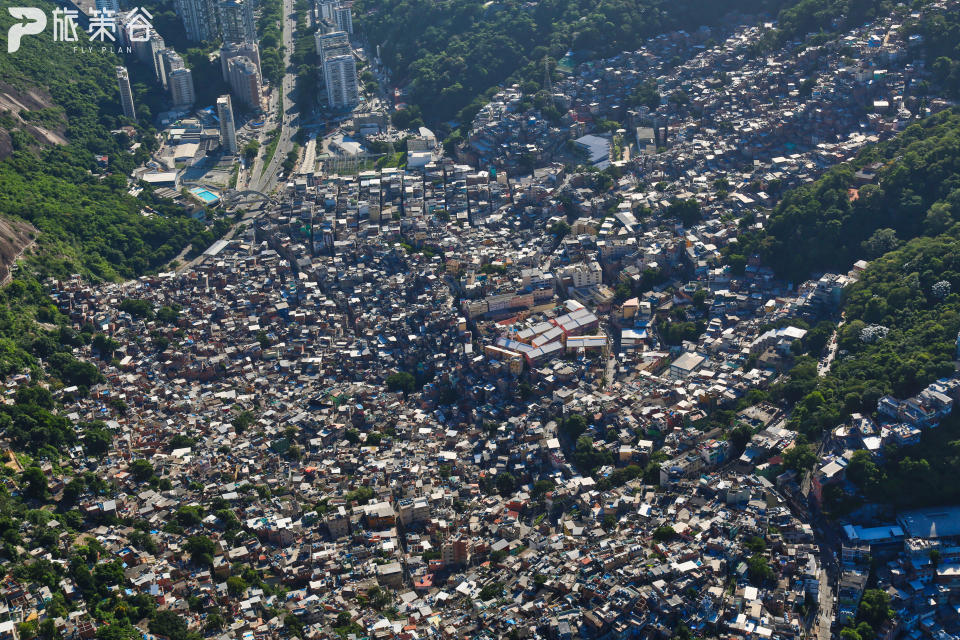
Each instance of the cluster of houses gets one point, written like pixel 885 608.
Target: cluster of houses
pixel 901 424
pixel 728 125
pixel 446 402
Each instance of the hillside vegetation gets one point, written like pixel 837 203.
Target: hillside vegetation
pixel 941 44
pixel 902 317
pixel 904 292
pixel 822 18
pixel 83 218
pixel 88 222
pixel 898 292
pixel 826 227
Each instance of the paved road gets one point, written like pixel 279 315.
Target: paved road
pixel 825 616
pixel 610 373
pixel 824 365
pixel 266 180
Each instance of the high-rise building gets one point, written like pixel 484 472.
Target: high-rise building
pixel 227 51
pixel 337 13
pixel 108 5
pixel 228 131
pixel 340 75
pixel 134 31
pixel 328 42
pixel 252 51
pixel 172 60
pixel 234 50
pixel 126 94
pixel 343 16
pixel 181 87
pixel 147 45
pixel 245 82
pixel 160 69
pixel 325 8
pixel 154 46
pixel 236 21
pixel 169 61
pixel 339 69
pixel 199 19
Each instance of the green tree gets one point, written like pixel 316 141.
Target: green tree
pixel 214 623
pixel 34 483
pixel 799 458
pixel 687 211
pixel 665 533
pixel 506 483
pixel 294 624
pixel 201 550
pixel 542 487
pixel 141 470
pixel 236 586
pixel 647 94
pixel 491 591
pixel 739 436
pixel 169 314
pixel 882 241
pixel 572 426
pixel 137 308
pixel 167 623
pixel 559 229
pixel 755 544
pixel 759 570
pixel 189 516
pixel 875 608
pixel 96 439
pixel 588 458
pixel 401 381
pixel 242 421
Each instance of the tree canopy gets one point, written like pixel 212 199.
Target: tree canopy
pixel 826 226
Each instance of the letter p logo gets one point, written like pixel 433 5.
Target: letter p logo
pixel 36 21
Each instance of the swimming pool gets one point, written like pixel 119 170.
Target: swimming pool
pixel 205 194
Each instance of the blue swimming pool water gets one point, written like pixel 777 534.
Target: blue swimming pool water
pixel 205 195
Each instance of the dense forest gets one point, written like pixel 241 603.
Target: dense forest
pixel 920 317
pixel 916 190
pixel 941 42
pixel 821 18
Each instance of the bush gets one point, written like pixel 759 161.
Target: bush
pixel 491 591
pixel 401 381
pixel 664 534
